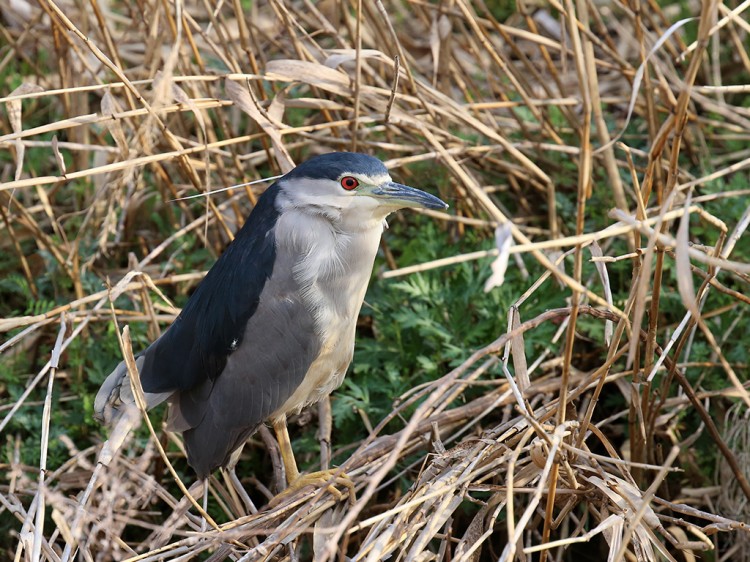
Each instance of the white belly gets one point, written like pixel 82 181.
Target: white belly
pixel 323 377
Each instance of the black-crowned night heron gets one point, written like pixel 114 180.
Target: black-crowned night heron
pixel 270 329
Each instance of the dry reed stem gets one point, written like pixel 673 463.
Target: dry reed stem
pixel 193 95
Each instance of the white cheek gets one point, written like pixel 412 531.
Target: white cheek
pixel 364 204
pixel 363 213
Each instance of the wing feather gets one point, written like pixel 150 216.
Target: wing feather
pixel 280 344
pixel 196 346
pixel 240 347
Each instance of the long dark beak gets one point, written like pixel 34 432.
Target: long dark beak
pixel 395 194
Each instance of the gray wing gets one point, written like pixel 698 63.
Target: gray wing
pixel 277 348
pixel 194 349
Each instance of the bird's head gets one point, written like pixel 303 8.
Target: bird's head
pixel 351 185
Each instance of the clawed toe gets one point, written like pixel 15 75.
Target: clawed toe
pixel 329 479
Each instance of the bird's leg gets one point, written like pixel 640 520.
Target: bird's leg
pixel 287 454
pixel 236 489
pixel 240 489
pixel 204 523
pixel 295 481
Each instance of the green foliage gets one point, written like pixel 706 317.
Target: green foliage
pixel 423 325
pixel 501 10
pixel 14 288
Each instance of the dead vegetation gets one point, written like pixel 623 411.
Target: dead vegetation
pixel 161 100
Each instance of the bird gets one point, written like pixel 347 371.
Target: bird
pixel 271 327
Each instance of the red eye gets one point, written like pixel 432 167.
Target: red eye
pixel 349 183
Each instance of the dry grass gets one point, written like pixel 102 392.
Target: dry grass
pixel 154 101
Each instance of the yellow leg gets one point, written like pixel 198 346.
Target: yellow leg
pixel 321 478
pixel 287 455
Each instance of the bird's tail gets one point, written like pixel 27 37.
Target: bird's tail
pixel 116 394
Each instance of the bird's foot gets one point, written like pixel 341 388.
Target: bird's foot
pixel 329 479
